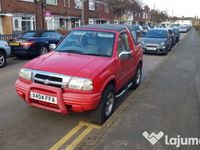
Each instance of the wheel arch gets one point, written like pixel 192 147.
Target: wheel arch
pixel 110 80
pixel 140 63
pixel 4 51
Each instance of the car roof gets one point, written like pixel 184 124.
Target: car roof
pixel 162 29
pixel 38 33
pixel 111 27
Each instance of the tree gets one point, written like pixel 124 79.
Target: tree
pixel 117 7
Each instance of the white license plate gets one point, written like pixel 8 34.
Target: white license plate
pixel 151 48
pixel 43 98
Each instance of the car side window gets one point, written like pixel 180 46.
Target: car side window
pixel 46 34
pixel 55 35
pixel 123 43
pixel 170 32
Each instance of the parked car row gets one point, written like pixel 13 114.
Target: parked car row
pixel 160 40
pixel 88 70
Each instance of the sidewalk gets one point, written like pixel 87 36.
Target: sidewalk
pixel 168 102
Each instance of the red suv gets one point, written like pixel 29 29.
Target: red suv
pixel 89 69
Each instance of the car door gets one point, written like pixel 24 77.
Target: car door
pixel 124 64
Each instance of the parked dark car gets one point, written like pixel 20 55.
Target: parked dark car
pixel 34 43
pixel 133 33
pixel 172 35
pixel 177 33
pixel 146 28
pixel 139 30
pixel 157 41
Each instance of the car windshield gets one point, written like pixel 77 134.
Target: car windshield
pixel 88 43
pixel 136 28
pixel 156 34
pixel 28 34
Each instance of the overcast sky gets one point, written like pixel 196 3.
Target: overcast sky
pixel 187 8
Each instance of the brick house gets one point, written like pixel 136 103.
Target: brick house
pixel 22 15
pixel 142 18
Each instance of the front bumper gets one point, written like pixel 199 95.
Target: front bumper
pixel 76 102
pixel 157 51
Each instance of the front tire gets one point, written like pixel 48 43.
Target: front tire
pixel 106 106
pixel 137 78
pixel 2 59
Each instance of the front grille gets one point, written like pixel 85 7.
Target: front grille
pixel 46 77
pixel 50 79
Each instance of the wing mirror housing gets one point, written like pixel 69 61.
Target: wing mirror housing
pixel 52 47
pixel 125 55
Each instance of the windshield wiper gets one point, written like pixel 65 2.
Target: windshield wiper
pixel 72 51
pixel 95 54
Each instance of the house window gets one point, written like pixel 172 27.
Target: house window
pixel 28 0
pixel 53 24
pixel 23 23
pixel 51 2
pixel 78 4
pixel 16 24
pixel 91 5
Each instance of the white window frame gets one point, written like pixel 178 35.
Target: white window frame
pixel 52 3
pixel 91 3
pixel 32 1
pixel 31 20
pixel 78 6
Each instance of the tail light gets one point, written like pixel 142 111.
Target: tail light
pixel 26 44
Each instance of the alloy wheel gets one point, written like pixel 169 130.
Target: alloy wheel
pixel 109 104
pixel 2 60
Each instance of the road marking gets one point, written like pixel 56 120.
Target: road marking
pixel 77 140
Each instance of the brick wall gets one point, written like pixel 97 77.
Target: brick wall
pixel 61 9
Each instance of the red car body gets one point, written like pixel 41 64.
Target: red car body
pixel 101 71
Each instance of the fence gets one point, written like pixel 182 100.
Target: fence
pixel 7 37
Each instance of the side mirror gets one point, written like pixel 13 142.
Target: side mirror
pixel 52 47
pixel 125 55
pixel 61 37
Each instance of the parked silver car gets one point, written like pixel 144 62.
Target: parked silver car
pixel 5 52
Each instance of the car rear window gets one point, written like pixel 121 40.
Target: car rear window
pixel 28 34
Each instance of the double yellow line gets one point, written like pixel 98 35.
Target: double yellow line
pixel 69 135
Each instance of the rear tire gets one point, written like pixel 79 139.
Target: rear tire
pixel 2 59
pixel 137 78
pixel 106 106
pixel 43 50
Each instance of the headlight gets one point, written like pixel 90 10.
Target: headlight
pixel 80 84
pixel 25 73
pixel 143 43
pixel 162 43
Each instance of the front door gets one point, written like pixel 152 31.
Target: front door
pixel 124 64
